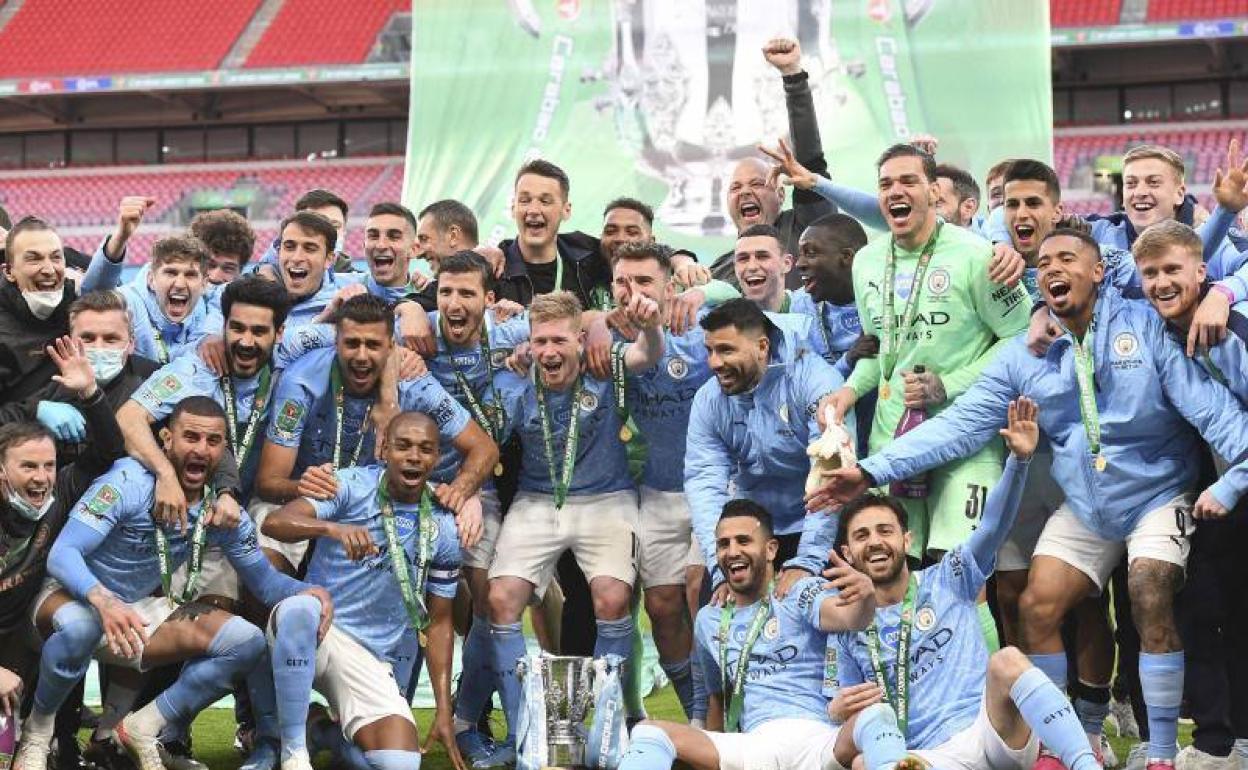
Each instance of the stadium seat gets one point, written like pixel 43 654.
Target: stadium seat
pixel 1203 150
pixel 99 38
pixel 1084 13
pixel 1179 10
pixel 323 32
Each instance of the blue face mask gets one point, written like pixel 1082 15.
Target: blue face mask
pixel 107 363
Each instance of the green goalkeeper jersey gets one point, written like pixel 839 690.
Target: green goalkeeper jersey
pixel 959 320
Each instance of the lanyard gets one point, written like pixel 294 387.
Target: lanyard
pixel 335 384
pixel 1085 377
pixel 823 327
pixel 198 537
pixel 618 372
pixel 492 424
pixel 732 688
pixel 889 344
pixel 1212 367
pixel 558 271
pixel 162 352
pixel 413 595
pixel 241 446
pixel 563 480
pixel 900 698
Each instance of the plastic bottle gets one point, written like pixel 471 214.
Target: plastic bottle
pixel 912 418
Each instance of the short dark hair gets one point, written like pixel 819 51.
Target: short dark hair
pixel 365 309
pixel 1069 232
pixel 317 224
pixel 180 248
pixel 842 227
pixel 462 262
pixel 905 150
pixel 549 170
pixel 763 230
pixel 447 212
pixel 257 291
pixel 632 204
pixel 636 252
pixel 963 183
pixel 14 433
pixel 102 301
pixel 319 199
pixel 225 232
pixel 393 209
pixel 740 313
pixel 1031 170
pixel 869 499
pixel 5 221
pixel 742 508
pixel 23 225
pixel 199 406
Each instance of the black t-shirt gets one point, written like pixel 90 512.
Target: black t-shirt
pixel 543 275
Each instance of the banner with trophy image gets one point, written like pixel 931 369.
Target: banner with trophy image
pixel 657 99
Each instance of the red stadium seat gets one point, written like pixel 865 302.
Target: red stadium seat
pixel 323 32
pixel 1179 10
pixel 1084 13
pixel 1203 150
pixel 45 38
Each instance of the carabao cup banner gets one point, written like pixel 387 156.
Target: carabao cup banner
pixel 657 99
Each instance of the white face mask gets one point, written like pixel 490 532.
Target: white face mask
pixel 43 303
pixel 107 363
pixel 26 509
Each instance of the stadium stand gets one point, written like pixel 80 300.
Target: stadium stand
pixel 97 38
pixel 1084 13
pixel 1179 10
pixel 1202 149
pixel 323 32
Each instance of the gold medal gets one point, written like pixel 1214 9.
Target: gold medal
pixel 498 469
pixel 885 391
pixel 1100 463
pixel 424 640
pixel 626 435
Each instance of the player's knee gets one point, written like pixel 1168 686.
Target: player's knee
pixel 1039 612
pixel 298 615
pixel 1007 665
pixel 649 734
pixel 1151 584
pixel 393 759
pixel 504 605
pixel 79 627
pixel 240 641
pixel 665 605
pixel 611 599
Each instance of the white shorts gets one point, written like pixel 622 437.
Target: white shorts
pixel 359 688
pixel 153 609
pixel 664 531
pixel 292 552
pixel 597 528
pixel 218 577
pixel 978 747
pixel 778 744
pixel 481 554
pixel 1163 534
pixel 1042 496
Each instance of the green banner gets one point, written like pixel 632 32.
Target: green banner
pixel 657 99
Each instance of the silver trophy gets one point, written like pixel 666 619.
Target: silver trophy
pixel 567 684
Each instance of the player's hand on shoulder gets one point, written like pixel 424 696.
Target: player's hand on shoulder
pixel 789 577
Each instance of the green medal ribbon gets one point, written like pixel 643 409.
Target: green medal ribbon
pixel 889 344
pixel 900 697
pixel 335 383
pixel 563 480
pixel 1212 368
pixel 1085 376
pixel 618 391
pixel 242 446
pixel 491 424
pixel 199 535
pixel 784 305
pixel 162 352
pixel 413 595
pixel 733 687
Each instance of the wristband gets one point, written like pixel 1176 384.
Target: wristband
pixel 1224 291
